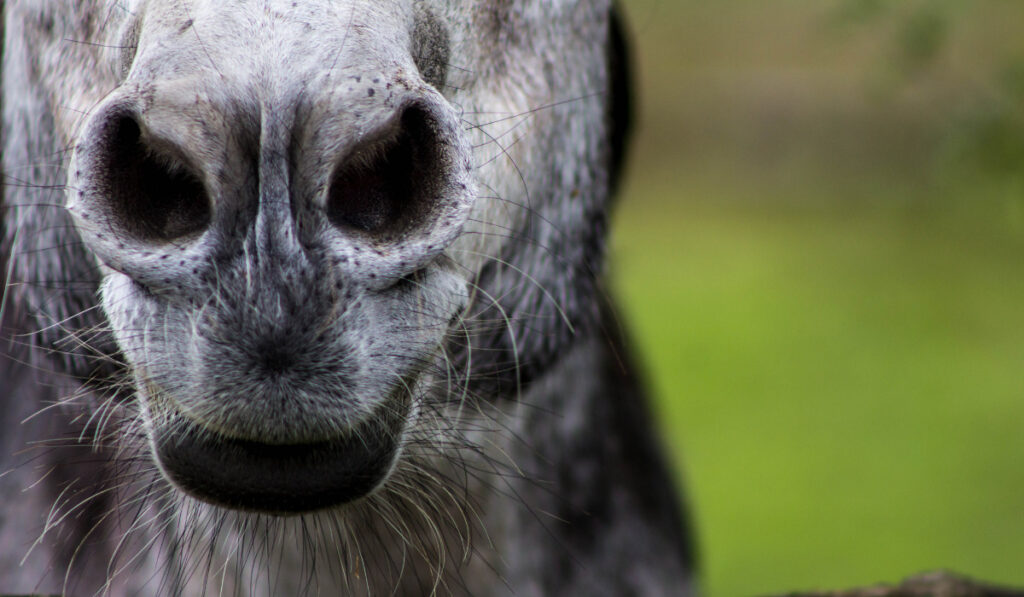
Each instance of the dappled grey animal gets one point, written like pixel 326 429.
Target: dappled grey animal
pixel 305 297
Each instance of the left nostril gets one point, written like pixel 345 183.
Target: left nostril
pixel 388 187
pixel 152 196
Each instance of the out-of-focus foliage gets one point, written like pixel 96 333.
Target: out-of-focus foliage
pixel 921 30
pixel 989 140
pixel 984 138
pixel 820 251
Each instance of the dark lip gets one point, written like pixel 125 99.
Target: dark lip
pixel 281 478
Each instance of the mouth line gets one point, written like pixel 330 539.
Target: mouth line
pixel 276 478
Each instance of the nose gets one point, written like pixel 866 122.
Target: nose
pixel 365 164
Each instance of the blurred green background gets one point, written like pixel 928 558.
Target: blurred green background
pixel 820 252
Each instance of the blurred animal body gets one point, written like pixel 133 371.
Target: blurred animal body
pixel 304 297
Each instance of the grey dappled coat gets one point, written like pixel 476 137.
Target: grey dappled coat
pixel 305 297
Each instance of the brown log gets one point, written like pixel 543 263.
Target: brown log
pixel 929 584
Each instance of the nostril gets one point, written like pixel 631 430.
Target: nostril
pixel 387 186
pixel 373 190
pixel 152 194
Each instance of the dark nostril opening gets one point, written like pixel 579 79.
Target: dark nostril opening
pixel 387 186
pixel 154 196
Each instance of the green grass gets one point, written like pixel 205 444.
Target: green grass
pixel 820 253
pixel 842 388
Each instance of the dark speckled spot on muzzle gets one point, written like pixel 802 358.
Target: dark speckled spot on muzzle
pixel 281 478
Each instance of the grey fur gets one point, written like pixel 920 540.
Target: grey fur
pixel 443 335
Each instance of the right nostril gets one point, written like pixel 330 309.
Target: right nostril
pixel 152 195
pixel 387 187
